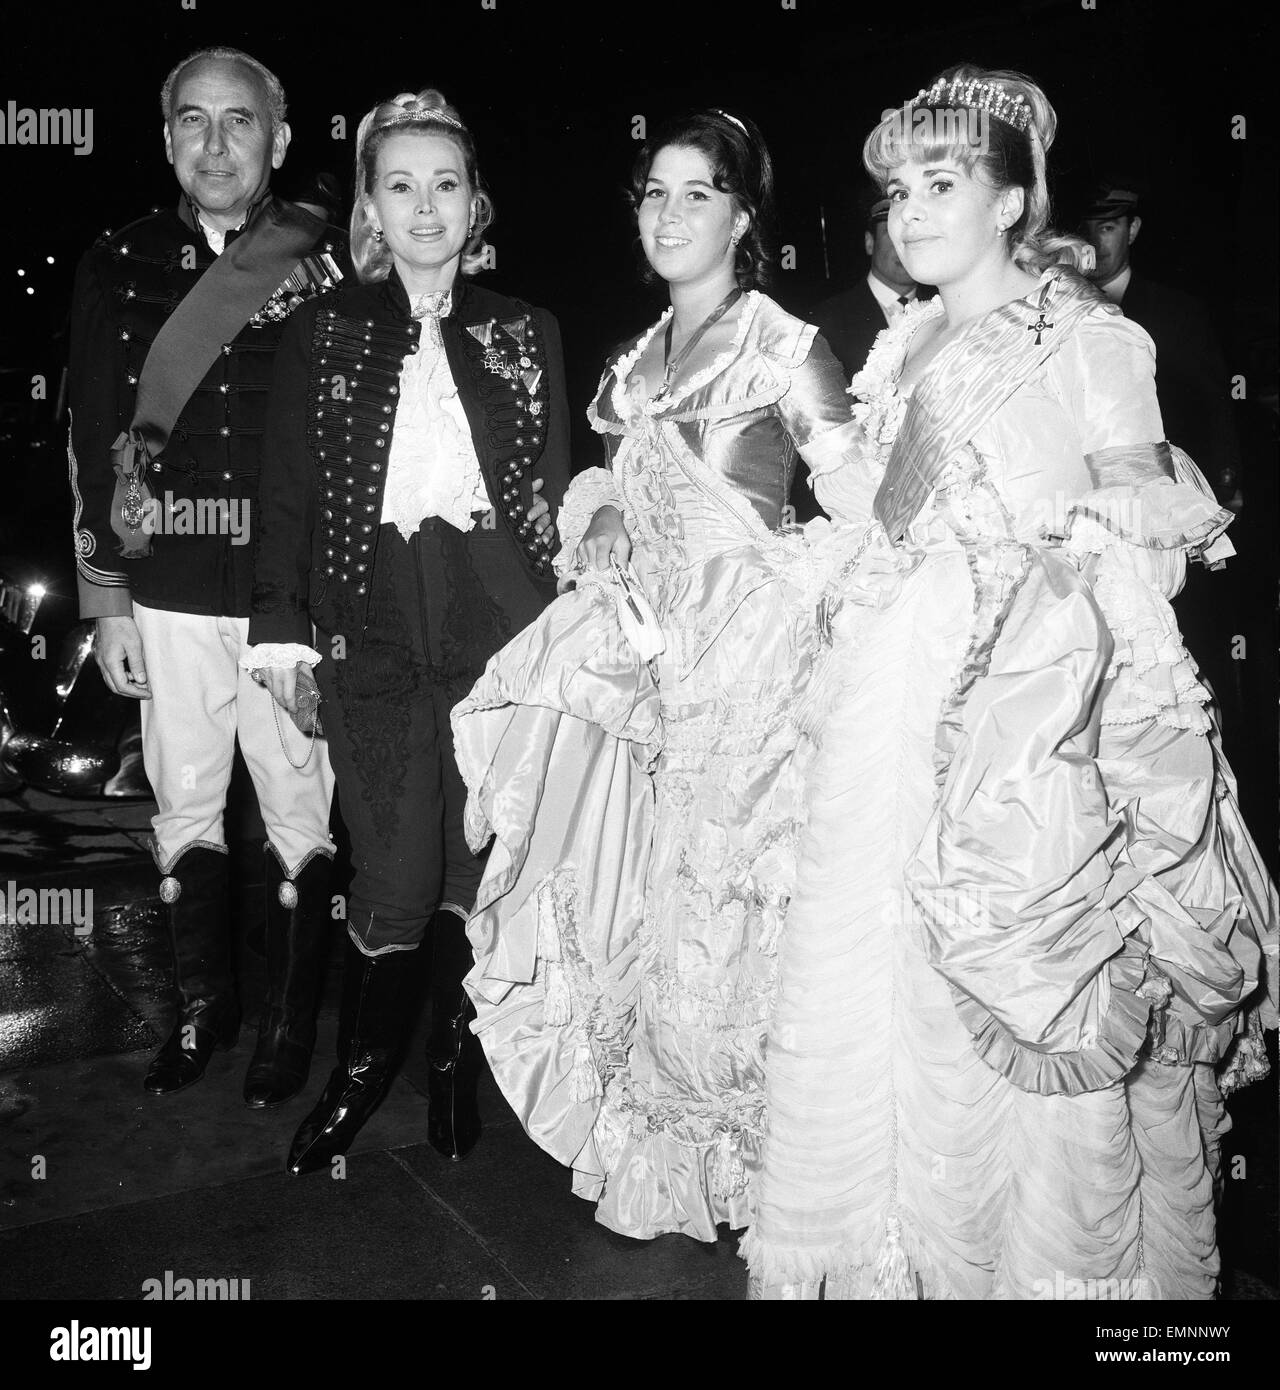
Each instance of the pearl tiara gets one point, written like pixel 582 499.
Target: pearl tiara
pixel 978 96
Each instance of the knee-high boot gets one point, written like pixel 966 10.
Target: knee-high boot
pixel 453 1050
pixel 378 993
pixel 195 891
pixel 297 930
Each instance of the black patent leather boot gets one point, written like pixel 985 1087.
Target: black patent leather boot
pixel 297 929
pixel 453 1051
pixel 377 992
pixel 195 891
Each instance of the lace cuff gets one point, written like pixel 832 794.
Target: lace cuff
pixel 1133 541
pixel 278 655
pixel 1163 513
pixel 1153 676
pixel 587 493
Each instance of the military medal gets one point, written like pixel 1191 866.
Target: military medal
pixel 132 509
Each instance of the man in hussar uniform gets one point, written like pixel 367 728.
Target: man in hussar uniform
pixel 174 326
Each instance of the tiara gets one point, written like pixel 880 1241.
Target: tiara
pixel 980 96
pixel 425 113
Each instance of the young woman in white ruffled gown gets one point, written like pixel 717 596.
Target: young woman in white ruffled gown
pixel 1028 920
pixel 645 813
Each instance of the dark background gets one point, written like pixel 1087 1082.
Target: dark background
pixel 551 91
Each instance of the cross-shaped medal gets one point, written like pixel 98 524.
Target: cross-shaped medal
pixel 1038 327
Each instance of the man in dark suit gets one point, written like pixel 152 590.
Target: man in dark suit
pixel 1192 381
pixel 850 321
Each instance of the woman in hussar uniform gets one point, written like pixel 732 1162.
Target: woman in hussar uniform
pixel 414 418
pixel 1029 921
pixel 645 789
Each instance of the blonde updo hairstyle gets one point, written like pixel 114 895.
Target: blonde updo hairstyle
pixel 1010 159
pixel 426 113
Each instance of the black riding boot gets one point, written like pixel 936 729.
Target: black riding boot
pixel 453 1050
pixel 297 929
pixel 195 890
pixel 377 997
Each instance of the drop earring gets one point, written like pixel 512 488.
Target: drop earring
pixel 377 234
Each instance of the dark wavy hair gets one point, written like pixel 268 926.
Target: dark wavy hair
pixel 740 167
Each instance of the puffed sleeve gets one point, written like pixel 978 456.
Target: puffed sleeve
pixel 287 502
pixel 1144 491
pixel 817 414
pixel 1149 510
pixel 1106 374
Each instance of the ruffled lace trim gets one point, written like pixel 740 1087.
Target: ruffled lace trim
pixel 587 493
pixel 1247 1060
pixel 659 1181
pixel 723 1131
pixel 894 1267
pixel 622 367
pixel 1152 675
pixel 879 405
pixel 277 655
pixel 625 404
pixel 572 997
pixel 1160 515
pixel 1122 1032
pixel 433 469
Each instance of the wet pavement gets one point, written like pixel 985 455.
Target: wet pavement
pixel 105 1188
pixel 133 1186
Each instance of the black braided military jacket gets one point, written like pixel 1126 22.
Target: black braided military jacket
pixel 332 417
pixel 126 286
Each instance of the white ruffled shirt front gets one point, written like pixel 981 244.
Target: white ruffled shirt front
pixel 433 469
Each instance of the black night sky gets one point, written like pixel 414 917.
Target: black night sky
pixel 551 90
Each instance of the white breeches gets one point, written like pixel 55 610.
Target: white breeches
pixel 202 702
